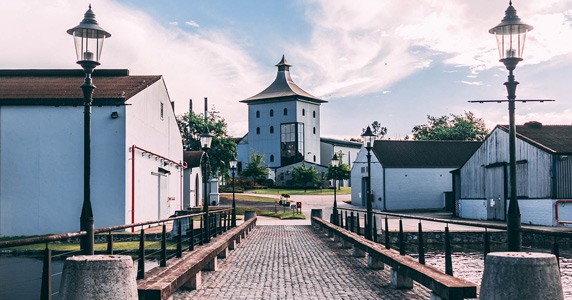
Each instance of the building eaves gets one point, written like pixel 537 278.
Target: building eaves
pixel 344 143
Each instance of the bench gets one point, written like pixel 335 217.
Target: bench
pixel 160 283
pixel 404 269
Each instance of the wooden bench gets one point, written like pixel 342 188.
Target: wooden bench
pixel 404 269
pixel 160 283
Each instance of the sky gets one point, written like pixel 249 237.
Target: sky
pixel 381 60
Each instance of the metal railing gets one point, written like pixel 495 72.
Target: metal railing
pixel 184 237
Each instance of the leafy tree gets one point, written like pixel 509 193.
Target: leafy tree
pixel 305 176
pixel 377 130
pixel 223 147
pixel 465 127
pixel 342 172
pixel 256 169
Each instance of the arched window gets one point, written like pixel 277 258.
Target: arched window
pixel 271 129
pixel 258 114
pixel 303 112
pixel 314 158
pixel 271 158
pixel 257 130
pixel 272 113
pixel 285 111
pixel 314 130
pixel 314 114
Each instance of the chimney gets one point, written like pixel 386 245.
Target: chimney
pixel 190 106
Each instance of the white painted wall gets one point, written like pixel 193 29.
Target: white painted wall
pixel 146 129
pixel 416 188
pixel 359 171
pixel 190 186
pixel 538 212
pixel 473 209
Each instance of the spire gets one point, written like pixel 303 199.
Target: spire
pixel 283 65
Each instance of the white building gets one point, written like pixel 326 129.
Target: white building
pixel 136 150
pixel 409 175
pixel 284 127
pixel 543 175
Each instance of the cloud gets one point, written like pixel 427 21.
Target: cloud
pixel 173 23
pixel 471 82
pixel 193 65
pixel 192 23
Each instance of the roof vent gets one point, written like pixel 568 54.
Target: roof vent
pixel 533 124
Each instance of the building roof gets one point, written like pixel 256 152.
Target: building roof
pixel 423 154
pixel 344 143
pixel 283 87
pixel 192 158
pixel 556 139
pixel 62 87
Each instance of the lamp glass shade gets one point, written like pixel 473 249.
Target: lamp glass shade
pixel 368 138
pixel 206 140
pixel 232 163
pixel 88 38
pixel 335 161
pixel 510 34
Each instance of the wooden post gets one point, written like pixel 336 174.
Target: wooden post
pixel 420 245
pixel 448 260
pixel 141 260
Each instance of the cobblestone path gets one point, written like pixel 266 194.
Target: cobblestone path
pixel 293 262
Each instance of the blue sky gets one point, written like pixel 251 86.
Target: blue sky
pixel 385 60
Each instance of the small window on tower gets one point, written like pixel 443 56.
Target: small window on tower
pixel 272 113
pixel 257 130
pixel 314 130
pixel 271 158
pixel 271 129
pixel 258 114
pixel 161 110
pixel 314 114
pixel 303 112
pixel 285 111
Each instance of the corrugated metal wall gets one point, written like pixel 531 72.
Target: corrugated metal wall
pixel 564 177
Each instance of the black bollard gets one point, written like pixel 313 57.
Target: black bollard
pixel 46 291
pixel 163 260
pixel 401 238
pixel 387 245
pixel 110 244
pixel 141 259
pixel 487 244
pixel 448 260
pixel 346 214
pixel 420 246
pixel 179 240
pixel 191 234
pixel 357 224
pixel 374 229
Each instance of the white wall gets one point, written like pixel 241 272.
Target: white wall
pixel 473 209
pixel 416 188
pixel 190 189
pixel 539 212
pixel 146 129
pixel 359 171
pixel 41 168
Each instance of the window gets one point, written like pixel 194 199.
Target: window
pixel 257 130
pixel 303 112
pixel 258 114
pixel 314 130
pixel 161 110
pixel 291 143
pixel 271 157
pixel 272 113
pixel 285 111
pixel 315 161
pixel 314 114
pixel 271 129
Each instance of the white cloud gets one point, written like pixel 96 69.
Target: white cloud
pixel 194 66
pixel 471 82
pixel 173 23
pixel 192 23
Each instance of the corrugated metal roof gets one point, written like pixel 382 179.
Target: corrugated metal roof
pixel 551 138
pixel 423 154
pixel 341 142
pixel 62 87
pixel 283 86
pixel 193 158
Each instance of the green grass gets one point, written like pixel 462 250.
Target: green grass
pixel 342 191
pixel 117 246
pixel 286 215
pixel 241 197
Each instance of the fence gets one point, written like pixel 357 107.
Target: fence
pixel 183 237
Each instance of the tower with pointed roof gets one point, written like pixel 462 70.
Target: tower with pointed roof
pixel 283 123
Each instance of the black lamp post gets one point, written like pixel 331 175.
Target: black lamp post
pixel 88 39
pixel 232 163
pixel 335 163
pixel 206 139
pixel 368 139
pixel 510 34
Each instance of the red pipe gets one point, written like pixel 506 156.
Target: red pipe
pixel 556 211
pixel 181 165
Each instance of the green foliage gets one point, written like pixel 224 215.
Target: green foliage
pixel 223 147
pixel 256 169
pixel 304 176
pixel 464 127
pixel 376 129
pixel 343 170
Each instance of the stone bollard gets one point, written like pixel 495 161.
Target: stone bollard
pixel 98 277
pixel 522 276
pixel 249 215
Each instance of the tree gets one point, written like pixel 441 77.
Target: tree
pixel 342 172
pixel 223 147
pixel 305 176
pixel 377 130
pixel 256 169
pixel 465 127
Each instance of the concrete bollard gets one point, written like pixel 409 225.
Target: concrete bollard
pixel 98 277
pixel 316 213
pixel 249 214
pixel 374 264
pixel 400 280
pixel 195 282
pixel 522 276
pixel 357 252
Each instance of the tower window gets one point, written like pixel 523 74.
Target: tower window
pixel 257 130
pixel 314 114
pixel 258 114
pixel 314 158
pixel 303 112
pixel 272 113
pixel 285 111
pixel 271 129
pixel 271 157
pixel 161 111
pixel 314 130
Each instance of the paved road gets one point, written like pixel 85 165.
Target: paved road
pixel 293 262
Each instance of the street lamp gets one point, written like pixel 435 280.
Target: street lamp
pixel 206 139
pixel 510 34
pixel 232 163
pixel 368 139
pixel 88 39
pixel 335 163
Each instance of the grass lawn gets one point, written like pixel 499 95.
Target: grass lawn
pixel 117 246
pixel 342 191
pixel 286 215
pixel 242 197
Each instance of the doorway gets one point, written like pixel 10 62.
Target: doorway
pixel 495 188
